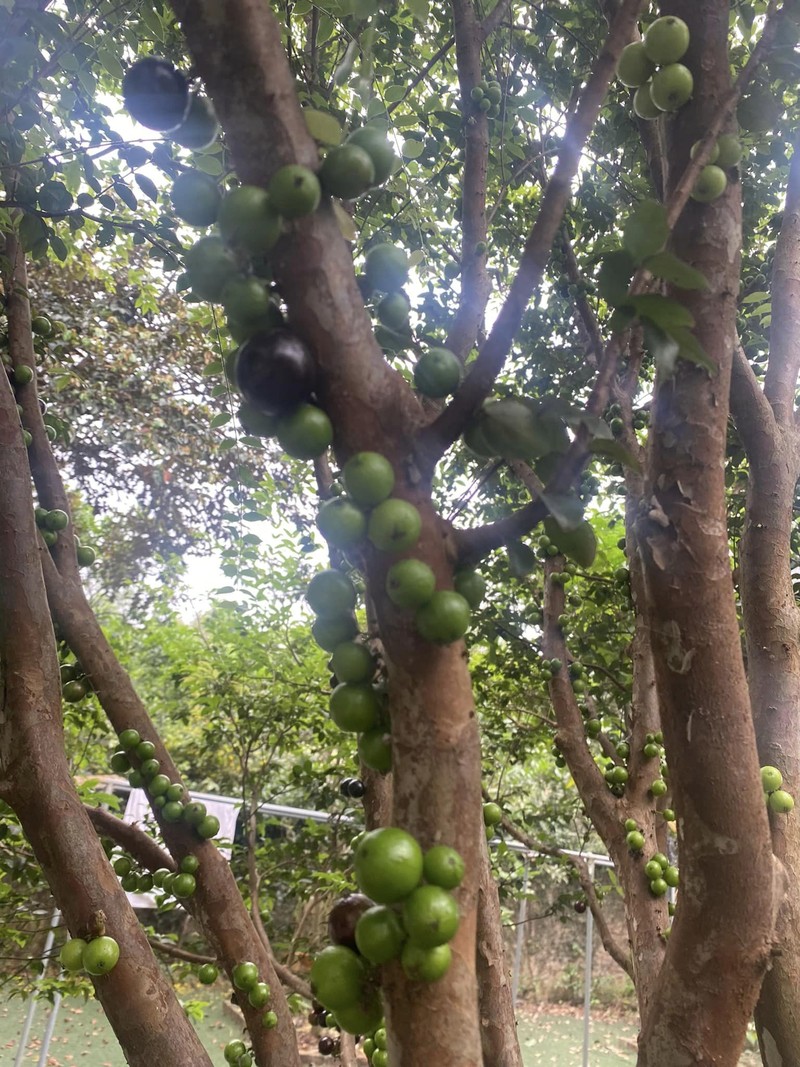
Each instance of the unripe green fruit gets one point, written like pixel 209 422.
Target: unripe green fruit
pixel 376 145
pixel 386 267
pixel 671 87
pixel 714 152
pixel 666 40
pixel 729 151
pixel 781 802
pixel 710 184
pixel 643 103
pixel 347 171
pixel 635 66
pixel 771 779
pixel 294 191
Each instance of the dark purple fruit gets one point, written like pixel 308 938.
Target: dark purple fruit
pixel 326 1046
pixel 356 789
pixel 275 371
pixel 156 94
pixel 200 127
pixel 344 785
pixel 343 917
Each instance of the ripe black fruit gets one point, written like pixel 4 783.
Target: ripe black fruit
pixel 343 917
pixel 156 94
pixel 275 371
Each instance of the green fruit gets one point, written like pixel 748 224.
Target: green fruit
pixel 425 964
pixel 294 191
pixel 643 105
pixel 729 151
pixel 207 827
pixel 149 768
pixel 85 555
pixel 210 265
pixel 386 267
pixel 631 824
pixel 444 867
pixel 380 935
pixel 129 739
pixel 659 787
pixel 377 147
pixel 430 916
pixel 671 87
pixel 190 864
pixel 758 111
pixel 666 40
pixel 714 152
pixel 160 875
pixel 393 310
pixel 375 750
pixel 269 1020
pixel 671 876
pixel 331 593
pixel 444 619
pixel 368 478
pixel 41 326
pixel 388 865
pixel 74 691
pixel 306 433
pixel 492 814
pixel 259 995
pixel 122 866
pixel 172 811
pixel 362 1017
pixel 437 373
pixel 246 299
pixel 23 375
pixel 175 791
pixel 658 887
pixel 771 779
pixel 120 763
pixel 71 955
pixel 635 840
pixel 341 523
pixel 352 662
pixel 248 220
pixel 233 1050
pixel 347 171
pixel 410 583
pixel 354 708
pixel 200 128
pixel 135 780
pixel 669 815
pixel 331 632
pixel 145 750
pixel 711 183
pixel 194 812
pixel 338 977
pixel 208 974
pixel 781 802
pixel 184 885
pixel 513 430
pixel 57 520
pixel 652 869
pixel 635 66
pixel 100 956
pixel 471 585
pixel 394 525
pixel 579 544
pixel 196 198
pixel 245 975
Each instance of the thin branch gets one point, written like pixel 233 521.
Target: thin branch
pixel 492 21
pixel 435 439
pixel 130 837
pixel 166 948
pixel 439 54
pixel 475 283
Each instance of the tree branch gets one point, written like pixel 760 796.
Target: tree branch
pixel 133 839
pixel 753 414
pixel 434 440
pixel 492 21
pixel 475 284
pixel 780 382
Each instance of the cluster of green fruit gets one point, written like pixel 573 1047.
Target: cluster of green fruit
pixel 158 96
pixel 375 1048
pixel 52 522
pixel 180 884
pixel 641 419
pixel 236 1053
pixel 75 685
pixel 712 179
pixel 97 956
pixel 136 758
pixel 651 67
pixel 486 96
pixel 367 510
pixel 396 916
pixel 246 980
pixel 492 817
pixel 780 801
pixel 659 871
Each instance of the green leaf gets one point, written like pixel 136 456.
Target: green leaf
pixel 152 21
pixel 662 311
pixel 614 277
pixel 344 221
pixel 322 126
pixel 220 420
pixel 126 195
pixel 614 450
pixel 672 269
pixel 419 9
pixel 662 346
pixel 522 560
pixel 59 248
pixel 645 231
pixel 147 186
pixel 109 59
pixel 32 231
pixel 692 351
pixel 412 149
pixel 579 544
pixel 567 510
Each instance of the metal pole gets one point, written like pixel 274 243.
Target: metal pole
pixel 522 915
pixel 55 919
pixel 48 1033
pixel 587 977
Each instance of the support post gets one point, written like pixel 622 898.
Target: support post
pixel 587 977
pixel 522 915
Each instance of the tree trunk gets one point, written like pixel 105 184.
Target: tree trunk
pixel 35 779
pixel 766 423
pixel 719 946
pixel 498 1024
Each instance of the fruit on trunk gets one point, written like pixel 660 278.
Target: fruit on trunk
pixel 71 955
pixel 246 300
pixel 394 525
pixel 393 310
pixel 245 975
pixel 781 802
pixel 471 585
pixel 210 265
pixel 341 523
pixel 635 66
pixel 368 478
pixel 671 87
pixel 410 583
pixel 492 814
pixel 338 977
pixel 430 916
pixel 247 219
pixel 437 373
pixel 666 40
pixel 729 151
pixel 352 662
pixel 343 917
pixel 444 619
pixel 376 145
pixel 347 171
pixel 354 708
pixel 711 183
pixel 196 198
pixel 331 632
pixel 156 94
pixel 386 267
pixel 275 371
pixel 294 191
pixel 375 750
pixel 443 866
pixel 259 995
pixel 361 1017
pixel 425 964
pixel 379 935
pixel 331 593
pixel 101 955
pixel 306 433
pixel 388 864
pixel 200 128
pixel 643 104
pixel 208 974
pixel 771 779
